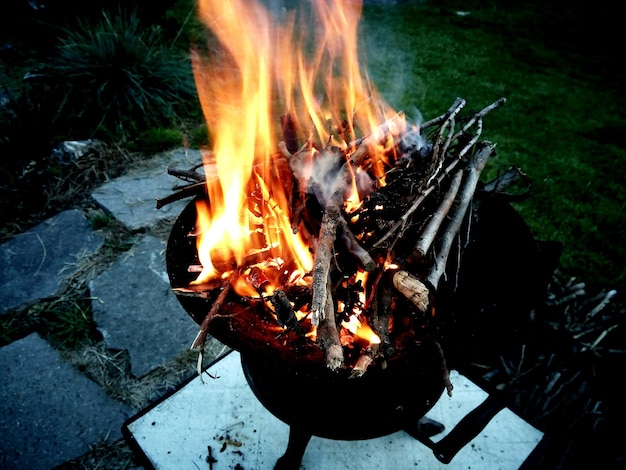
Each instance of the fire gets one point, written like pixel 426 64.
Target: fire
pixel 269 65
pixel 356 323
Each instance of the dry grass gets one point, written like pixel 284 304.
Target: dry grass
pixel 105 455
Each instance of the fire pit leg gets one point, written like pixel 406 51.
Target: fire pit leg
pixel 298 440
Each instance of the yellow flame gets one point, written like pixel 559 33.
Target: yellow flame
pixel 262 67
pixel 361 330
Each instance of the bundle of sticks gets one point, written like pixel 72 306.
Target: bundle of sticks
pixel 402 233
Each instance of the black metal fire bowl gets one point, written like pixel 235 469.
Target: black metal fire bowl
pixel 487 301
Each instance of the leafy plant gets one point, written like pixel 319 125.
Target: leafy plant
pixel 116 77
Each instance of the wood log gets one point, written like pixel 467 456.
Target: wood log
pixel 364 361
pixel 432 227
pixel 328 335
pixel 413 289
pixel 381 314
pixel 215 309
pixel 354 247
pixel 284 312
pixel 474 169
pixel 323 257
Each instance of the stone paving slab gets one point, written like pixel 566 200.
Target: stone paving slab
pixel 224 415
pixel 132 198
pixel 35 264
pixel 49 412
pixel 135 309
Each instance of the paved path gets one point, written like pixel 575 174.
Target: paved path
pixel 50 411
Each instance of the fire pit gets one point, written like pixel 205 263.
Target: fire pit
pixel 340 259
pixel 296 380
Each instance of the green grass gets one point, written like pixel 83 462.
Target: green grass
pixel 562 124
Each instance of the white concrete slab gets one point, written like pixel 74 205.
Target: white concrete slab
pixel 224 414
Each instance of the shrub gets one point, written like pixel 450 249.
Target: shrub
pixel 117 78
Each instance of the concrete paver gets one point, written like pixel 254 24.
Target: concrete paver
pixel 50 412
pixel 132 197
pixel 35 264
pixel 135 308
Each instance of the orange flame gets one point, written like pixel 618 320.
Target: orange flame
pixel 261 67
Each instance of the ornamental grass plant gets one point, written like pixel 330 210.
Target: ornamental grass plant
pixel 116 76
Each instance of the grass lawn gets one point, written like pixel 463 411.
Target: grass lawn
pixel 563 124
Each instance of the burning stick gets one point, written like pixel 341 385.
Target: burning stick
pixel 381 311
pixel 200 340
pixel 363 362
pixel 390 128
pixel 323 256
pixel 415 180
pixel 182 192
pixel 328 335
pixel 284 311
pixel 354 247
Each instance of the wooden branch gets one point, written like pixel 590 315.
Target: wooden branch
pixel 413 289
pixel 190 174
pixel 381 313
pixel 440 148
pixel 480 114
pixel 355 248
pixel 215 308
pixel 328 335
pixel 323 256
pixel 605 301
pixel 285 313
pixel 200 340
pixel 432 227
pixel 416 204
pixel 195 189
pixel 364 361
pixel 474 168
